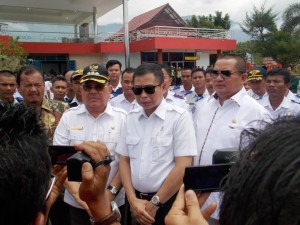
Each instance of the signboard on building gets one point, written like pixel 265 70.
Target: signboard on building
pixel 191 58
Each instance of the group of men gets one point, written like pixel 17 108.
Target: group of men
pixel 148 128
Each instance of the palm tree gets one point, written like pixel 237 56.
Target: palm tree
pixel 291 18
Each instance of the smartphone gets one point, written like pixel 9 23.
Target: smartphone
pixel 60 154
pixel 208 178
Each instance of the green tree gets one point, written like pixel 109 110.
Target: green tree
pixel 291 18
pixel 213 22
pixel 284 47
pixel 260 23
pixel 12 55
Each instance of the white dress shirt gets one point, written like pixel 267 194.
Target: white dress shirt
pixel 77 125
pixel 193 98
pixel 121 102
pixel 220 127
pixel 286 108
pixel 152 144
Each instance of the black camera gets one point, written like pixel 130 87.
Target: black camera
pixel 67 155
pixel 210 178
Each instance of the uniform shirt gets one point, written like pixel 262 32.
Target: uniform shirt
pixel 293 97
pixel 74 102
pixel 255 96
pixel 153 142
pixel 193 98
pixel 222 125
pixel 77 125
pixel 182 91
pixel 286 108
pixel 121 102
pixel 174 99
pixel 116 91
pixel 51 113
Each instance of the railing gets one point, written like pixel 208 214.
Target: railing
pixel 178 32
pixel 156 31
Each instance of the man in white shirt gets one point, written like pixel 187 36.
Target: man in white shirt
pixel 126 100
pixel 209 81
pixel 157 144
pixel 200 92
pixel 94 120
pixel 114 68
pixel 75 79
pixel 257 83
pixel 171 97
pixel 186 80
pixel 277 82
pixel 220 121
pixel 8 86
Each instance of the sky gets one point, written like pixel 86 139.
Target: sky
pixel 235 8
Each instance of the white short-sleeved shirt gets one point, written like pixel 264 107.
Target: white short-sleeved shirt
pixel 121 102
pixel 220 127
pixel 182 91
pixel 193 98
pixel 286 108
pixel 256 96
pixel 77 125
pixel 174 99
pixel 293 97
pixel 153 142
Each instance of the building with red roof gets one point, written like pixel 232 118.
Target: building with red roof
pixel 159 35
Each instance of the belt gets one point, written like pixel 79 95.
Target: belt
pixel 142 195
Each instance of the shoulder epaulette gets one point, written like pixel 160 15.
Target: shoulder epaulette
pixel 178 96
pixel 293 101
pixel 176 88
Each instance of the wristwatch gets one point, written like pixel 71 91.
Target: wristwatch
pixel 155 200
pixel 113 190
pixel 114 216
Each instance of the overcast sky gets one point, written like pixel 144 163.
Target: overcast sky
pixel 235 8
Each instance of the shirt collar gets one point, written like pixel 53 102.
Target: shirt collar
pixel 108 110
pixel 237 98
pixel 159 112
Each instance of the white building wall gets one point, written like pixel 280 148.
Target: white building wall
pixel 203 59
pixel 135 59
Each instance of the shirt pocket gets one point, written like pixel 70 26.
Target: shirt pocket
pixel 110 140
pixel 162 150
pixel 132 146
pixel 76 136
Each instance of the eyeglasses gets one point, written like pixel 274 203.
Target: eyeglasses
pixel 51 185
pixel 97 87
pixel 149 89
pixel 223 73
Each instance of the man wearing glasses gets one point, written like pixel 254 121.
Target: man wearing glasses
pixel 94 120
pixel 156 145
pixel 221 119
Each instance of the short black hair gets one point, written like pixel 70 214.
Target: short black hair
pixel 263 186
pixel 7 73
pixel 167 68
pixel 149 68
pixel 113 62
pixel 24 164
pixel 59 78
pixel 240 61
pixel 198 70
pixel 27 70
pixel 127 70
pixel 280 72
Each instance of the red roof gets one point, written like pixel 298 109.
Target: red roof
pixel 140 20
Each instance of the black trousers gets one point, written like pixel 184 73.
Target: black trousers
pixel 162 211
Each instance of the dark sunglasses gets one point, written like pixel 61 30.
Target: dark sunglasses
pixel 97 87
pixel 223 73
pixel 150 89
